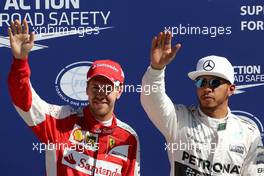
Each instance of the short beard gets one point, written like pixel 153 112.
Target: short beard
pixel 213 108
pixel 98 114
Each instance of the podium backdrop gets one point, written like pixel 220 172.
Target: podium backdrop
pixel 73 33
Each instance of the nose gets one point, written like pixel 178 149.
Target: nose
pixel 207 89
pixel 100 94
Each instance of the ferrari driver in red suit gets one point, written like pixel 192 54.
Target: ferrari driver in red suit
pixel 89 141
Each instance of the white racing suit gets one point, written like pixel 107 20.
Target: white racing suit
pixel 199 145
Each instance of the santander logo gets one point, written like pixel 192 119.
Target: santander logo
pixel 70 159
pixel 86 164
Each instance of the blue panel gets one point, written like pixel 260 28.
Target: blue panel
pixel 122 31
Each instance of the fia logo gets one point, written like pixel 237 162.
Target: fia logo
pixel 71 83
pixel 252 119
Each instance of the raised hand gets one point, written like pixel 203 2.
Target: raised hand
pixel 161 51
pixel 20 41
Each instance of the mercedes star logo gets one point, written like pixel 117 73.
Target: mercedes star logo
pixel 208 65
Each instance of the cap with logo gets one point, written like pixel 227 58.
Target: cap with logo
pixel 107 68
pixel 214 66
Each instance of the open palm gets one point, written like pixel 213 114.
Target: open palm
pixel 161 51
pixel 21 42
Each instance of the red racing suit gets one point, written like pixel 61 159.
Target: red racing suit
pixel 76 143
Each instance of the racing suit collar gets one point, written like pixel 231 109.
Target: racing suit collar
pixel 95 126
pixel 211 121
pixel 107 122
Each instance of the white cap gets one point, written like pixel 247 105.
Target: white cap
pixel 215 66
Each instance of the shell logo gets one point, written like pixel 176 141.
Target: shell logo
pixel 77 135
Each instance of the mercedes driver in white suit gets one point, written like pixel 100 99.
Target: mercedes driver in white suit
pixel 216 141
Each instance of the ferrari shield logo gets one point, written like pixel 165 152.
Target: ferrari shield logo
pixel 111 142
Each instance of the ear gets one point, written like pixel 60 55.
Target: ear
pixel 119 91
pixel 232 89
pixel 87 86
